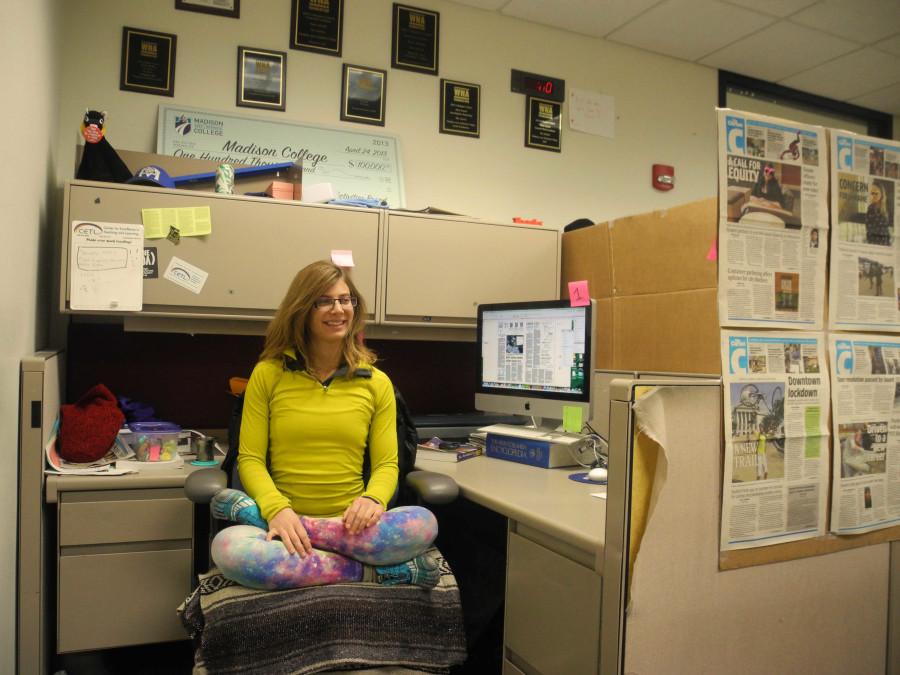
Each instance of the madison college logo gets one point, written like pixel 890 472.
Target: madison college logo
pixel 182 125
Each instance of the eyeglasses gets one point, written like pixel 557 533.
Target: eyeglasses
pixel 326 303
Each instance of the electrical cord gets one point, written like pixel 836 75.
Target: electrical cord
pixel 592 442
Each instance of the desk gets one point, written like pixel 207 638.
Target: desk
pixel 555 549
pixel 124 557
pixel 103 561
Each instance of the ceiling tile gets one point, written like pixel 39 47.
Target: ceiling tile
pixel 780 8
pixel 891 45
pixel 673 28
pixel 865 21
pixel 588 17
pixel 483 4
pixel 849 76
pixel 778 51
pixel 887 99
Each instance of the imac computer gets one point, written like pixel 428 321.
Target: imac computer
pixel 534 359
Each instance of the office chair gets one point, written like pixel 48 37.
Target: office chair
pixel 322 628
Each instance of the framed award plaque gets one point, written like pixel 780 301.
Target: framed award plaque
pixel 460 108
pixel 415 37
pixel 148 62
pixel 363 94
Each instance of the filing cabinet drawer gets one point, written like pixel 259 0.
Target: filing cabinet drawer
pixel 552 610
pixel 122 516
pixel 119 599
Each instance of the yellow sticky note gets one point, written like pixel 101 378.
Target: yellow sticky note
pixel 572 419
pixel 190 221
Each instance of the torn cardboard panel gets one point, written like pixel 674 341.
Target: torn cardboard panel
pixel 663 251
pixel 655 286
pixel 667 332
pixel 586 255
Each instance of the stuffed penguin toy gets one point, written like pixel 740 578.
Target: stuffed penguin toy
pixel 99 161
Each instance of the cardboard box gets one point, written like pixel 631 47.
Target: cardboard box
pixel 655 287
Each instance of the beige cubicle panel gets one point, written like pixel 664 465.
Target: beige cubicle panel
pixel 256 247
pixel 41 390
pixel 826 614
pixel 438 269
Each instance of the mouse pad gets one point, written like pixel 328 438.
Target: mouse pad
pixel 582 477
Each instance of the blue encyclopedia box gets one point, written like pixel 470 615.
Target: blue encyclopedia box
pixel 535 452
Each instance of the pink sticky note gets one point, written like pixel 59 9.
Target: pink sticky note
pixel 578 293
pixel 713 253
pixel 342 258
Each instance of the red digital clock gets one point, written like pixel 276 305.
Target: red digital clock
pixel 551 88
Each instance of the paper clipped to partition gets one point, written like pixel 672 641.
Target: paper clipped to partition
pixel 189 221
pixel 106 266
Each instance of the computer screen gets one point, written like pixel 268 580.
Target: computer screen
pixel 534 358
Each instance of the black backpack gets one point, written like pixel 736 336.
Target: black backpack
pixel 407 439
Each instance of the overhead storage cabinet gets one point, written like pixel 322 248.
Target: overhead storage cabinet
pixel 439 269
pixel 417 272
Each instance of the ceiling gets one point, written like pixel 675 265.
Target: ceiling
pixel 848 50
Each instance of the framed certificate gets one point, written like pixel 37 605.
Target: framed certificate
pixel 362 94
pixel 261 78
pixel 148 62
pixel 229 8
pixel 460 108
pixel 415 35
pixel 543 124
pixel 317 26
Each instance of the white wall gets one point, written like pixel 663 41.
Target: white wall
pixel 664 106
pixel 28 36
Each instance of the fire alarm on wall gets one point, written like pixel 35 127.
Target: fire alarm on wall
pixel 663 177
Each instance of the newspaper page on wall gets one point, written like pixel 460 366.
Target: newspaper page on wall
pixel 776 437
pixel 773 222
pixel 864 289
pixel 866 397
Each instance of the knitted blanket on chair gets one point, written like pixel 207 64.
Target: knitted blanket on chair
pixel 338 627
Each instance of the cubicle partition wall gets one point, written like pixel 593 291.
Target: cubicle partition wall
pixel 40 387
pixel 667 608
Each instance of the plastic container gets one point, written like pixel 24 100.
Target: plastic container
pixel 154 441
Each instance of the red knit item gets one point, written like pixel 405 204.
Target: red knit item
pixel 88 428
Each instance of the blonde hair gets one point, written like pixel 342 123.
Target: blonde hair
pixel 289 327
pixel 882 203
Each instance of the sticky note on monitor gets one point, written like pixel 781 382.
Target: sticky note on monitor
pixel 342 258
pixel 572 419
pixel 578 293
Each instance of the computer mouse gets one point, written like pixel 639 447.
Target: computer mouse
pixel 599 474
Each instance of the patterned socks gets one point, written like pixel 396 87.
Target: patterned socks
pixel 420 571
pixel 238 507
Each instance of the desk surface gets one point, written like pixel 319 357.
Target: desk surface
pixel 545 499
pixel 152 478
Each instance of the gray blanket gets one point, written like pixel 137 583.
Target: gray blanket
pixel 338 627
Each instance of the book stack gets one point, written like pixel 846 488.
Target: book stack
pixel 443 451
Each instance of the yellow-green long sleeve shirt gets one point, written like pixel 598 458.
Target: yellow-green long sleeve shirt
pixel 315 438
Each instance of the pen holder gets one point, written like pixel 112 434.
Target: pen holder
pixel 205 447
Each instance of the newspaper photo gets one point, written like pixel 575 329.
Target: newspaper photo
pixel 866 398
pixel 773 222
pixel 864 291
pixel 776 438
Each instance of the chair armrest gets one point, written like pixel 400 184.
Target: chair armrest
pixel 201 485
pixel 433 487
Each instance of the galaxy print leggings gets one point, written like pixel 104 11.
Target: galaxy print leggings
pixel 243 555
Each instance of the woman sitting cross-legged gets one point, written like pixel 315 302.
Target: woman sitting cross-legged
pixel 313 404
